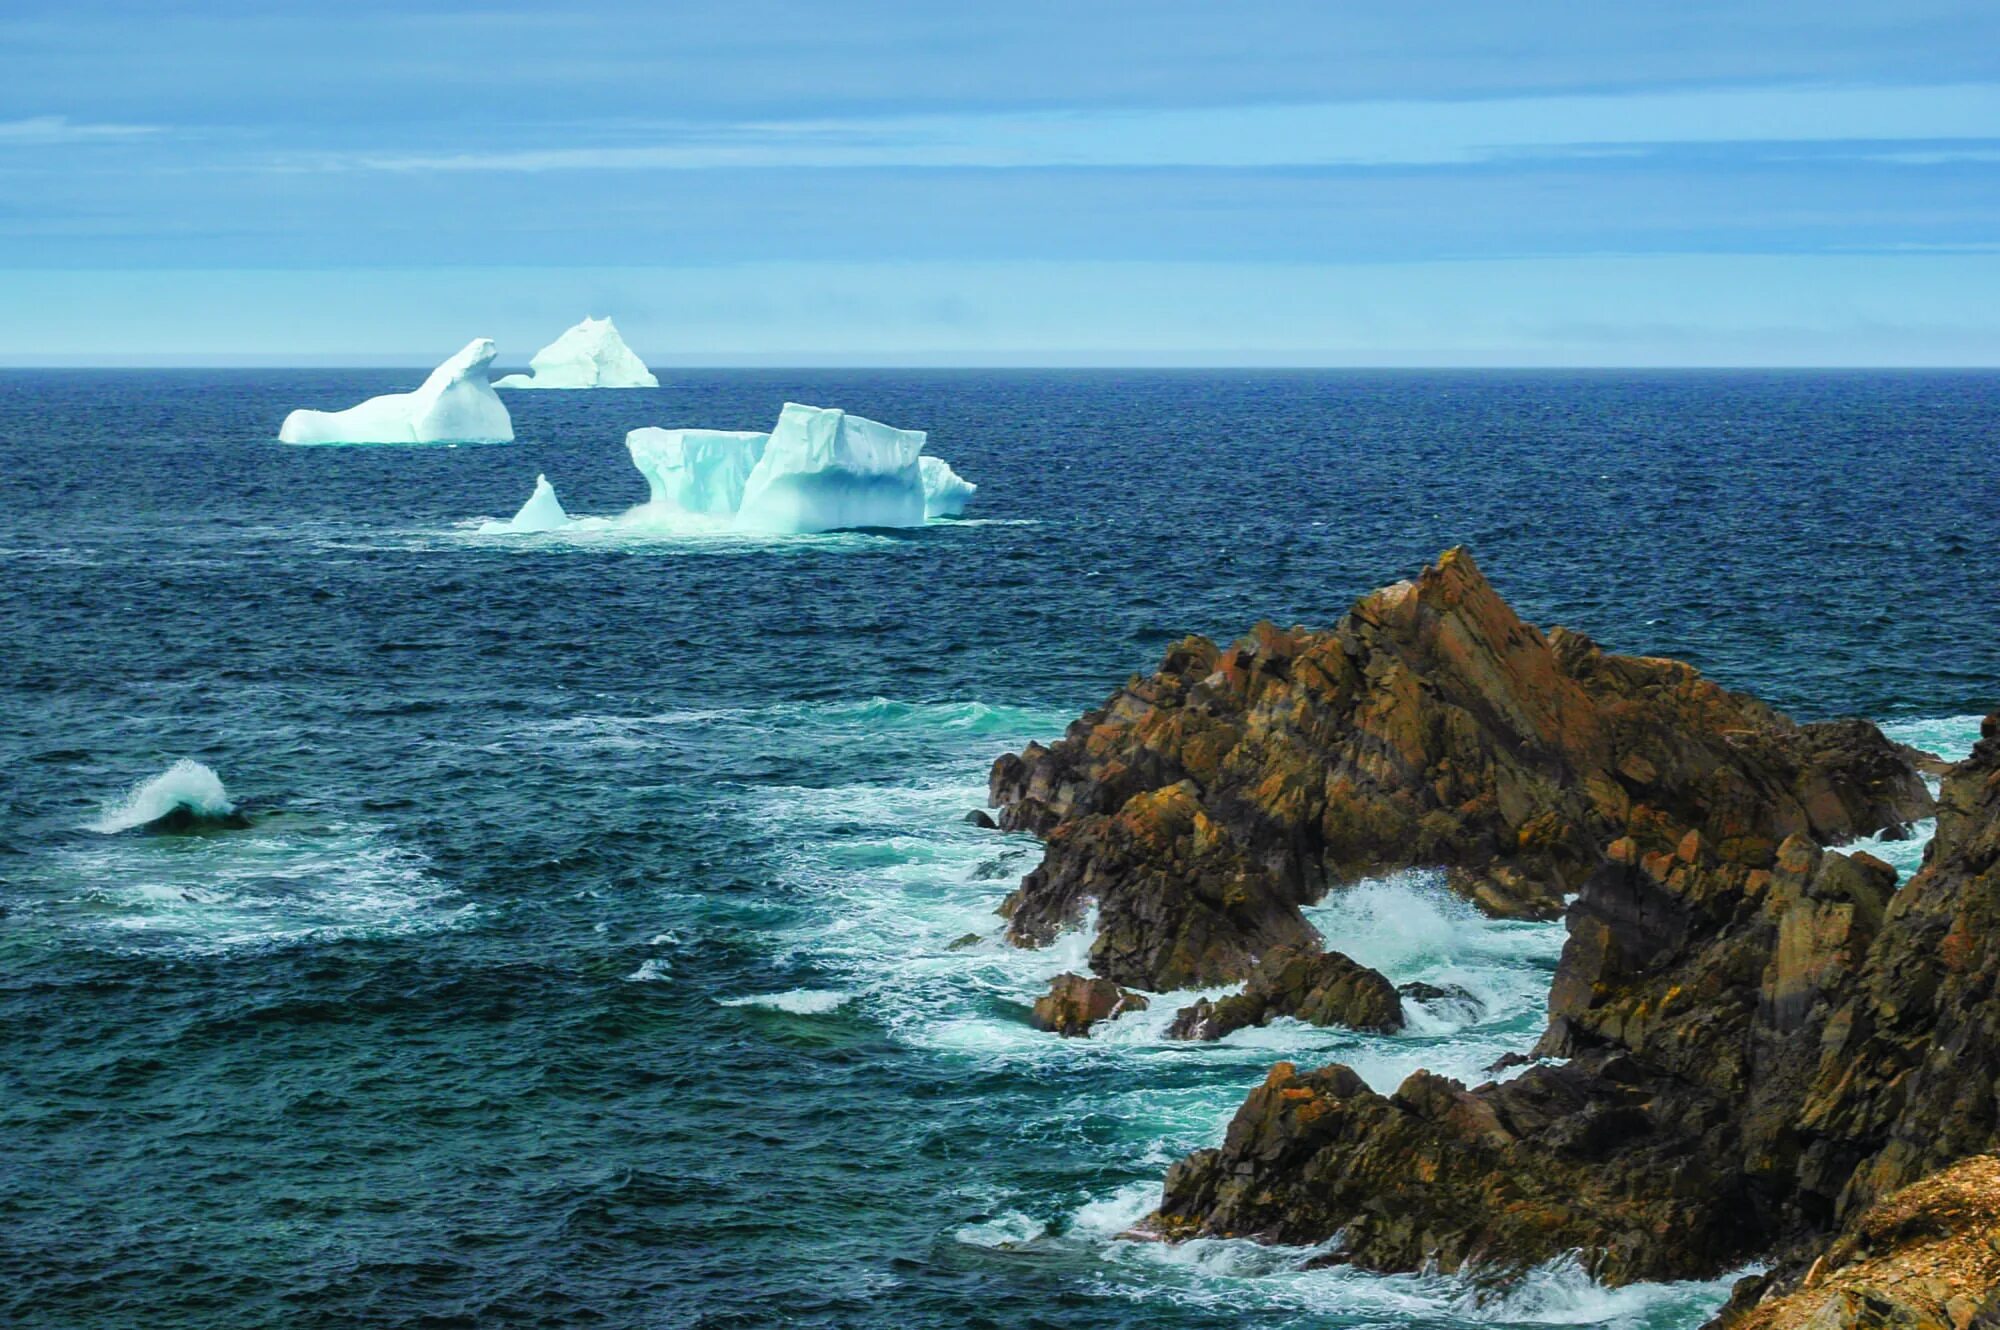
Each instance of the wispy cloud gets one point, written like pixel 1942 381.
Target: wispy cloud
pixel 43 130
pixel 1384 133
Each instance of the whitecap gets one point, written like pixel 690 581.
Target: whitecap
pixel 797 1001
pixel 186 784
pixel 657 970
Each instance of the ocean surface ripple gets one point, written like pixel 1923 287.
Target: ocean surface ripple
pixel 596 955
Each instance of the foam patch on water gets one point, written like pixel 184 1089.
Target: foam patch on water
pixel 186 784
pixel 797 1002
pixel 285 881
pixel 654 971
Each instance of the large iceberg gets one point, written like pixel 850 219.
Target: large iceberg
pixel 542 512
pixel 590 355
pixel 696 470
pixel 455 405
pixel 824 470
pixel 819 469
pixel 945 491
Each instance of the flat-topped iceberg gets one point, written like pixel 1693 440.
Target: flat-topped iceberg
pixel 945 491
pixel 590 355
pixel 455 405
pixel 696 470
pixel 824 470
pixel 542 512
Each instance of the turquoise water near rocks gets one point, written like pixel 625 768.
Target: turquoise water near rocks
pixel 589 960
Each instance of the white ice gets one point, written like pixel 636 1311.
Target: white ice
pixel 696 470
pixel 455 405
pixel 825 470
pixel 945 491
pixel 542 512
pixel 590 355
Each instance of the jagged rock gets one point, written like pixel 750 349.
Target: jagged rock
pixel 1319 988
pixel 1926 1257
pixel 1199 808
pixel 1462 1001
pixel 1076 1002
pixel 1759 1049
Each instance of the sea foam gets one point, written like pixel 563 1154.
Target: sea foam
pixel 186 784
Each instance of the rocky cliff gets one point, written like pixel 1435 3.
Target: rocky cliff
pixel 1200 807
pixel 1752 1057
pixel 1754 1041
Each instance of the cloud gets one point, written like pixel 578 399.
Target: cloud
pixel 45 130
pixel 1366 133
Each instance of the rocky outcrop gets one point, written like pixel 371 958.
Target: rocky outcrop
pixel 1926 1258
pixel 1759 1049
pixel 1076 1002
pixel 1317 987
pixel 1199 808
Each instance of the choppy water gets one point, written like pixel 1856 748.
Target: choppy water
pixel 589 961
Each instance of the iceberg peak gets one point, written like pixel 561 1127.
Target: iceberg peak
pixel 589 355
pixel 455 404
pixel 542 512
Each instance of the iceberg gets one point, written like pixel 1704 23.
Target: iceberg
pixel 819 469
pixel 945 491
pixel 590 355
pixel 824 470
pixel 542 512
pixel 455 405
pixel 696 470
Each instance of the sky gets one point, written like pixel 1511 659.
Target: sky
pixel 1159 182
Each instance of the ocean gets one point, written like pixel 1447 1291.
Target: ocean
pixel 590 959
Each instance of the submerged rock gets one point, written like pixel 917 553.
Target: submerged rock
pixel 1198 809
pixel 1319 988
pixel 1759 1047
pixel 1075 1003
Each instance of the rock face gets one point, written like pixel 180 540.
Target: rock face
pixel 1320 988
pixel 1075 1003
pixel 1431 727
pixel 1928 1256
pixel 1760 1048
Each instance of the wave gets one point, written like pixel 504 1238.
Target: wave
pixel 184 796
pixel 797 1002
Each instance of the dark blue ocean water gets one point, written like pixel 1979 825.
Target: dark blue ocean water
pixel 589 963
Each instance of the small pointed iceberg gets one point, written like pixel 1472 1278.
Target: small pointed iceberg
pixel 542 512
pixel 590 355
pixel 945 491
pixel 455 405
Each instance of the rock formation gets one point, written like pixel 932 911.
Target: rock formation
pixel 1076 1002
pixel 1201 807
pixel 1926 1257
pixel 1319 988
pixel 1758 1052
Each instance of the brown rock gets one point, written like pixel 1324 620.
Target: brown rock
pixel 1199 808
pixel 1075 1003
pixel 1926 1257
pixel 1320 988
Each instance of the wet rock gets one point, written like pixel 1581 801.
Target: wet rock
pixel 1200 807
pixel 1451 1000
pixel 1076 1002
pixel 979 817
pixel 1320 988
pixel 1759 1048
pixel 180 820
pixel 965 942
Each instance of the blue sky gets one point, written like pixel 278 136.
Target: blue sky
pixel 1029 183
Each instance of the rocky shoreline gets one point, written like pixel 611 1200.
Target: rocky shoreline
pixel 1755 1042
